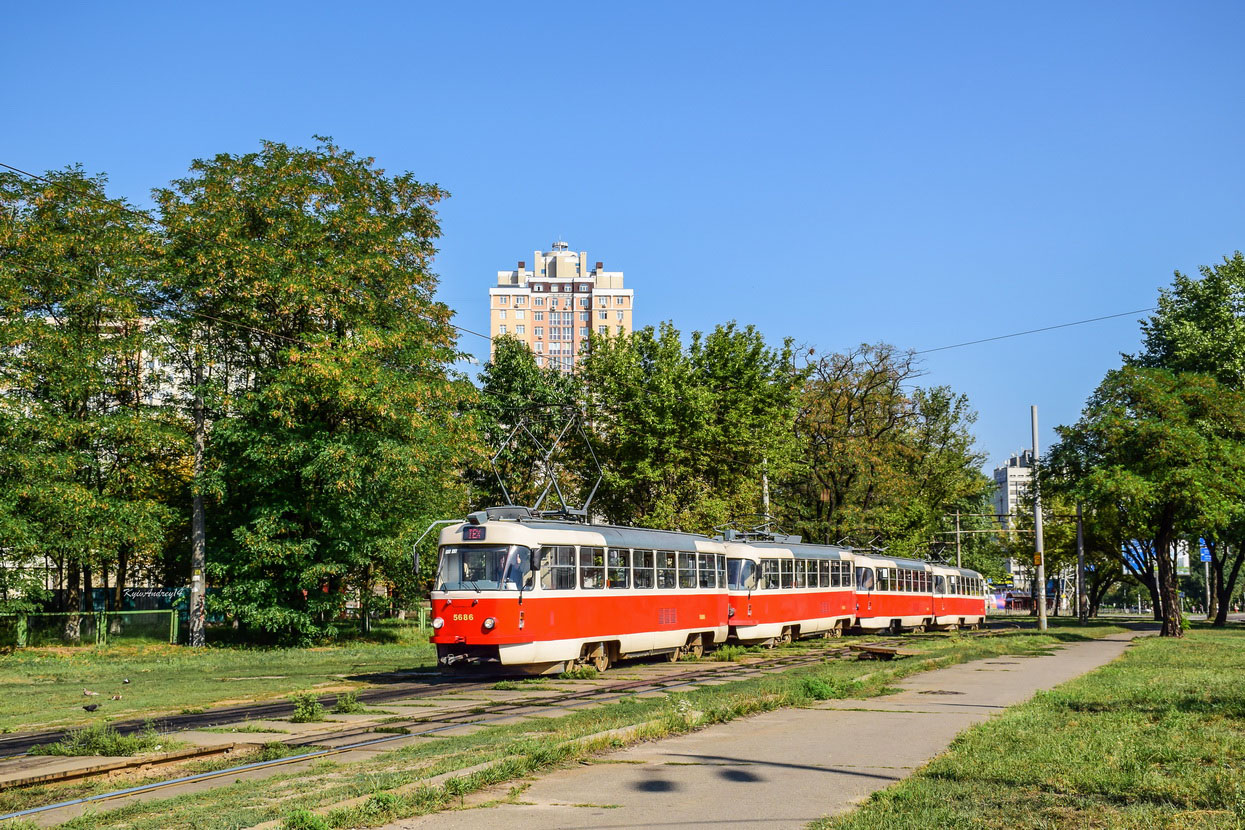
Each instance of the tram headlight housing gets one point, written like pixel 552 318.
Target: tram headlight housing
pixel 730 612
pixel 490 623
pixel 437 622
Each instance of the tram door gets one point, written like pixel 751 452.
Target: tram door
pixel 864 592
pixel 940 595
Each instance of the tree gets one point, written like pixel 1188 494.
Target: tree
pixel 1166 448
pixel 87 453
pixel 528 406
pixel 1200 327
pixel 328 423
pixel 876 460
pixel 686 436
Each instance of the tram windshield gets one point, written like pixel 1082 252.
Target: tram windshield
pixel 485 568
pixel 741 574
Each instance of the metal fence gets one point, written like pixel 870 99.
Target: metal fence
pixel 87 628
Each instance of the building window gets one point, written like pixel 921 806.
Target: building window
pixel 620 301
pixel 583 316
pixel 503 300
pixel 553 302
pixel 583 286
pixel 540 347
pixel 603 315
pixel 539 331
pixel 518 313
pixel 583 332
pixel 619 313
pixel 501 315
pixel 603 330
pixel 501 329
pixel 585 302
pixel 620 329
pixel 520 329
pixel 538 301
pixel 538 315
pixel 520 300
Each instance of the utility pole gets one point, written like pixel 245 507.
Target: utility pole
pixel 1039 593
pixel 958 563
pixel 765 489
pixel 1082 601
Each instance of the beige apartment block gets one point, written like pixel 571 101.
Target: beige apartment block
pixel 555 305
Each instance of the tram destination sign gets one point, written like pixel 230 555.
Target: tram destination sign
pixel 473 533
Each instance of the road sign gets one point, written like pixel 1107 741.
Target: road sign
pixel 1037 559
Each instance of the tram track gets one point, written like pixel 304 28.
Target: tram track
pixel 477 716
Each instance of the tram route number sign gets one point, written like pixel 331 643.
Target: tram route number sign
pixel 473 533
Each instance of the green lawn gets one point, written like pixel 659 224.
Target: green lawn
pixel 531 747
pixel 1153 740
pixel 43 688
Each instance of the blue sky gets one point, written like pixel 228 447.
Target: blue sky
pixel 915 173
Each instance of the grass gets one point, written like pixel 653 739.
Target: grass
pixel 580 673
pixel 1153 740
pixel 43 687
pixel 521 749
pixel 528 684
pixel 307 709
pixel 102 739
pixel 14 800
pixel 347 703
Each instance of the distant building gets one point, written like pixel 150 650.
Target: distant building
pixel 1012 483
pixel 555 304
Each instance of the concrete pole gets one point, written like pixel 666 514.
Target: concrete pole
pixel 1039 593
pixel 1082 601
pixel 958 563
pixel 1206 570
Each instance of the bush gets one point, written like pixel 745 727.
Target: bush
pixel 580 673
pixel 304 820
pixel 347 704
pixel 307 708
pixel 729 654
pixel 819 689
pixel 102 739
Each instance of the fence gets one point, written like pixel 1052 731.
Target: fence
pixel 85 629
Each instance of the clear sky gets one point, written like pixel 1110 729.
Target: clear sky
pixel 911 172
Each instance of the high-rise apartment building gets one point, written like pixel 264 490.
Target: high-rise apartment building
pixel 1012 482
pixel 555 304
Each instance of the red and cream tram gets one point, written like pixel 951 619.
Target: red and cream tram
pixel 899 594
pixel 781 590
pixel 516 590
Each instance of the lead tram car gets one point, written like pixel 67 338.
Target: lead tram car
pixel 518 592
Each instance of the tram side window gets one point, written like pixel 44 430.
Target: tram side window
pixel 557 572
pixel 666 578
pixel 884 579
pixel 786 571
pixel 708 570
pixel 687 570
pixel 741 574
pixel 940 584
pixel 592 568
pixel 619 568
pixel 800 566
pixel 769 574
pixel 823 571
pixel 721 557
pixel 864 579
pixel 642 561
pixel 836 574
pixel 953 583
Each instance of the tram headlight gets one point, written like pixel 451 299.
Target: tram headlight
pixel 437 622
pixel 490 623
pixel 730 612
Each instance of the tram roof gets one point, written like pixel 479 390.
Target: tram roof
pixel 623 537
pixel 805 551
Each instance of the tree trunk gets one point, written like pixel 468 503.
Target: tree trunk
pixel 73 602
pixel 1226 565
pixel 198 533
pixel 1168 591
pixel 118 591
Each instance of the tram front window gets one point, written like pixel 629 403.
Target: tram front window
pixel 485 568
pixel 741 574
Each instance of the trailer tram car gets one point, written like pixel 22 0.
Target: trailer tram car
pixel 959 598
pixel 515 591
pixel 781 590
pixel 905 594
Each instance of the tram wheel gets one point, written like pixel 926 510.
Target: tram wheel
pixel 601 658
pixel 918 629
pixel 835 631
pixel 696 648
pixel 784 638
pixel 953 627
pixel 896 628
pixel 674 656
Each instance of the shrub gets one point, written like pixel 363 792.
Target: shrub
pixel 102 739
pixel 304 820
pixel 580 673
pixel 347 704
pixel 307 708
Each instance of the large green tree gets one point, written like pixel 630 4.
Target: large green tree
pixel 330 425
pixel 1165 447
pixel 87 453
pixel 1200 327
pixel 687 434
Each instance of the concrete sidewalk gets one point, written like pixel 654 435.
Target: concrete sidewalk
pixel 786 768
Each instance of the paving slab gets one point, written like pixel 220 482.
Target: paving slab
pixel 784 768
